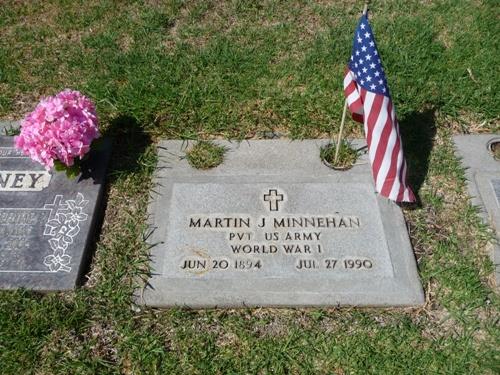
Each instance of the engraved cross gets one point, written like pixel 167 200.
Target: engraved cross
pixel 273 198
pixel 53 207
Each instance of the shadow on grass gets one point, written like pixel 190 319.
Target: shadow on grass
pixel 418 130
pixel 130 141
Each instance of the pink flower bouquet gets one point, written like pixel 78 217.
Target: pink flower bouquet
pixel 60 131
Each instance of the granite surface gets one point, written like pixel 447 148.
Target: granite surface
pixel 274 226
pixel 47 221
pixel 483 181
pixel 8 126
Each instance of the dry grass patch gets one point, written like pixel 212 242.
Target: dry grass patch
pixel 472 123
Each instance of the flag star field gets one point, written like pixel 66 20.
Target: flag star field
pixel 365 61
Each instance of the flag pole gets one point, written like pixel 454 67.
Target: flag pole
pixel 342 122
pixel 339 137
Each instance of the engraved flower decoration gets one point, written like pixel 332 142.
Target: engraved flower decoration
pixel 57 262
pixel 65 225
pixel 62 229
pixel 74 212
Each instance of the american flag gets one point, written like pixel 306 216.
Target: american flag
pixel 369 101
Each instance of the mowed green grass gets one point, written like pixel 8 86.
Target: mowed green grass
pixel 241 69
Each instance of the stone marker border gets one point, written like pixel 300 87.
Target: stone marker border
pixel 273 161
pixel 8 125
pixel 63 206
pixel 482 171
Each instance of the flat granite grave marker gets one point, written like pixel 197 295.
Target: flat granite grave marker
pixel 496 188
pixel 274 226
pixel 46 220
pixel 8 126
pixel 483 182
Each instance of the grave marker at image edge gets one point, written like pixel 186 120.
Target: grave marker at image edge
pixel 483 182
pixel 47 221
pixel 273 226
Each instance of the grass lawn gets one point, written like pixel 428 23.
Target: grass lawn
pixel 241 69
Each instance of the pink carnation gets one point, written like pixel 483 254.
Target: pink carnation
pixel 61 127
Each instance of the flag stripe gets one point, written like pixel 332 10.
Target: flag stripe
pixel 373 106
pixel 386 168
pixel 382 147
pixel 398 188
pixel 353 99
pixel 392 170
pixel 385 151
pixel 399 191
pixel 393 159
pixel 387 164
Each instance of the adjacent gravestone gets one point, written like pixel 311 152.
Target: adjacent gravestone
pixel 273 226
pixel 483 180
pixel 7 127
pixel 47 221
